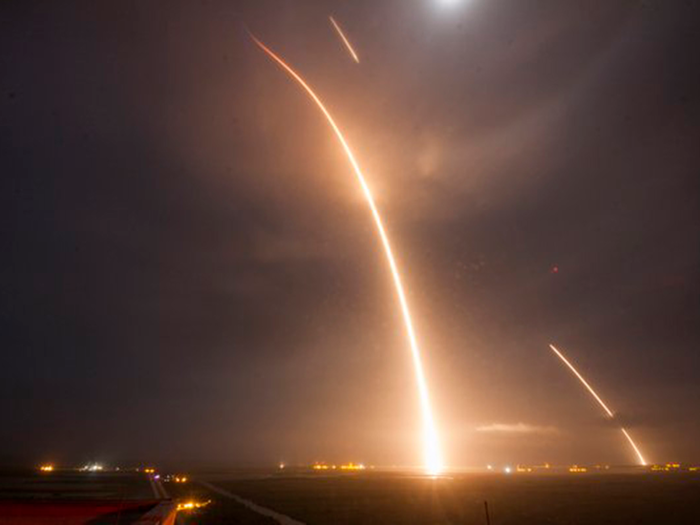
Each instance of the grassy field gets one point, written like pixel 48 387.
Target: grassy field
pixel 393 498
pixel 518 499
pixel 69 484
pixel 30 485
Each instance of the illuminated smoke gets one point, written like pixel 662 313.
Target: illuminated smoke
pixel 433 456
pixel 345 40
pixel 601 403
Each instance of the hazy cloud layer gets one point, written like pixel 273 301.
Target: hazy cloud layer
pixel 516 428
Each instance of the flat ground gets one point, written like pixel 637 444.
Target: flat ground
pixel 70 484
pixel 72 497
pixel 521 499
pixel 220 510
pixel 72 488
pixel 390 498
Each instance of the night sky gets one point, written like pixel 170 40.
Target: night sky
pixel 190 274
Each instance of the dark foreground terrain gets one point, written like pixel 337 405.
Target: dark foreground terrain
pixel 518 499
pixel 70 497
pixel 386 498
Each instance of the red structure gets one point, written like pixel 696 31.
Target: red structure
pixel 85 512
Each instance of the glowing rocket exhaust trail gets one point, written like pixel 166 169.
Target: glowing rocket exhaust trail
pixel 345 40
pixel 433 456
pixel 601 403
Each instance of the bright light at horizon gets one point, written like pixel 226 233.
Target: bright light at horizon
pixel 432 454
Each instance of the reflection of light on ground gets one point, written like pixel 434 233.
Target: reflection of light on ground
pixel 192 505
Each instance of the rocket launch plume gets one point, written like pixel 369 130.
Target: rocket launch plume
pixel 609 412
pixel 345 40
pixel 432 453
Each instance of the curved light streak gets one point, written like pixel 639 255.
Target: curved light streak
pixel 345 40
pixel 432 454
pixel 609 412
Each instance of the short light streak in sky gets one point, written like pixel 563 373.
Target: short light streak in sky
pixel 344 39
pixel 432 455
pixel 609 412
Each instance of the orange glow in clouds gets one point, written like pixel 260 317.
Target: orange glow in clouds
pixel 432 454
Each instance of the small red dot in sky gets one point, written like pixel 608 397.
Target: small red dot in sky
pixel 555 269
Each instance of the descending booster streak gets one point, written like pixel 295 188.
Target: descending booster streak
pixel 345 40
pixel 433 456
pixel 601 403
